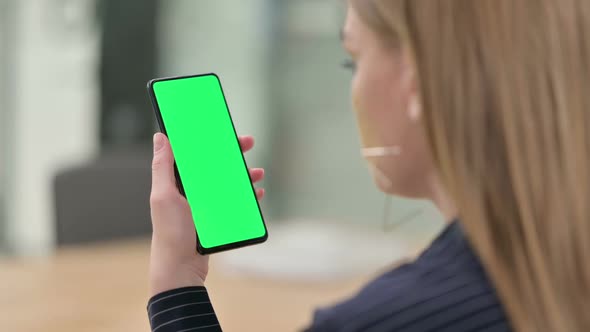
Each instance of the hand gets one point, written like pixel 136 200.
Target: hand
pixel 174 261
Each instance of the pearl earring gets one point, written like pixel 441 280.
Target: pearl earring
pixel 414 110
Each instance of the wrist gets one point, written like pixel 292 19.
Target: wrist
pixel 161 281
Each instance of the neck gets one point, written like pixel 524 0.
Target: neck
pixel 442 200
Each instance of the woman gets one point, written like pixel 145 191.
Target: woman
pixel 483 108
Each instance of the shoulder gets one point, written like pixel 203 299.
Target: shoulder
pixel 441 291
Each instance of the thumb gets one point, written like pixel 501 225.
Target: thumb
pixel 163 178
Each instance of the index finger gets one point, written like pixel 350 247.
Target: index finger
pixel 246 143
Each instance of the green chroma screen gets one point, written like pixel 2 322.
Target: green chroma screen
pixel 209 160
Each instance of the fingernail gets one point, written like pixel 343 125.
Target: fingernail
pixel 158 142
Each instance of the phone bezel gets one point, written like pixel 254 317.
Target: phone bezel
pixel 202 250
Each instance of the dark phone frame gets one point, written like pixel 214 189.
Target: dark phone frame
pixel 202 250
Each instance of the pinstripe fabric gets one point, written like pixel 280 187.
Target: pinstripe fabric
pixel 183 309
pixel 444 289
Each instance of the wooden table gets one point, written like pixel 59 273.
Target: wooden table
pixel 103 287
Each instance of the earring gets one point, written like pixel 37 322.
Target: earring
pixel 414 110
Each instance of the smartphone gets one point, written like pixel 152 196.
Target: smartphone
pixel 211 171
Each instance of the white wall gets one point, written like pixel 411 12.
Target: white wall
pixel 4 30
pixel 54 115
pixel 227 37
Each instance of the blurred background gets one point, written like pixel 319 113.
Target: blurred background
pixel 75 150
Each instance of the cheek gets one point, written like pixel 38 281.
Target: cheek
pixel 373 99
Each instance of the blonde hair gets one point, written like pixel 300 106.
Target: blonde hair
pixel 505 87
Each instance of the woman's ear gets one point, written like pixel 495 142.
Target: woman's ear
pixel 410 86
